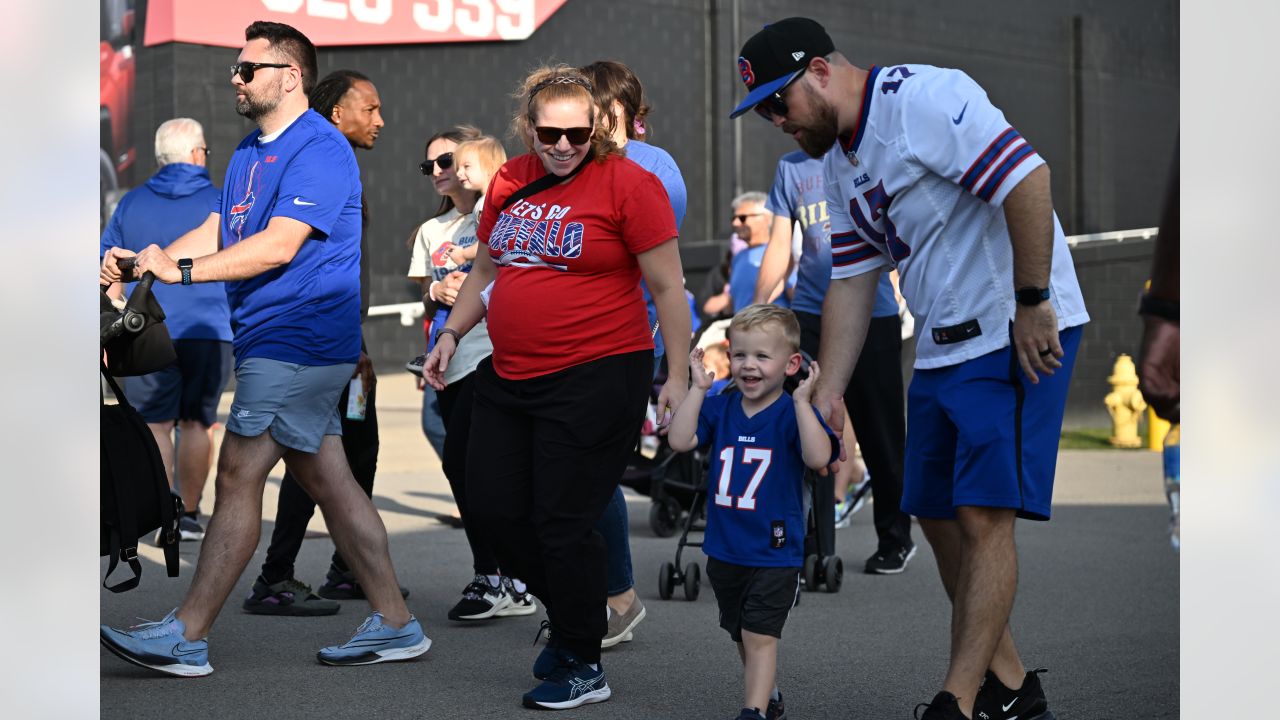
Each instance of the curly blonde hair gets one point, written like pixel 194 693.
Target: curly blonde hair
pixel 550 83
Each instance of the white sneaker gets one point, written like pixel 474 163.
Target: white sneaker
pixel 522 603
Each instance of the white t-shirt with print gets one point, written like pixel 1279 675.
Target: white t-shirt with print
pixel 430 258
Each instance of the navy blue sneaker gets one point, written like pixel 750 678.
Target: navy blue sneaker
pixel 376 643
pixel 749 714
pixel 549 658
pixel 570 684
pixel 159 646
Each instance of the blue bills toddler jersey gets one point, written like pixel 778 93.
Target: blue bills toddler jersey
pixel 755 488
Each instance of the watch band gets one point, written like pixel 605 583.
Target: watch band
pixel 1167 309
pixel 1031 295
pixel 184 264
pixel 457 338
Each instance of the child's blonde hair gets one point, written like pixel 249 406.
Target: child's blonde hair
pixel 487 150
pixel 760 316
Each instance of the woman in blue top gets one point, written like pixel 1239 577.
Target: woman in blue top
pixel 621 108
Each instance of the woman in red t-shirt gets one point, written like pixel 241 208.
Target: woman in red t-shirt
pixel 559 405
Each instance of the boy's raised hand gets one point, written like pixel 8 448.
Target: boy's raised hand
pixel 701 378
pixel 804 393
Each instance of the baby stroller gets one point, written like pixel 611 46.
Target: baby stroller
pixel 822 567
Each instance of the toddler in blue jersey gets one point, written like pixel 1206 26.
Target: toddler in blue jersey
pixel 761 440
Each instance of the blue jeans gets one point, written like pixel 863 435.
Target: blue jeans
pixel 433 421
pixel 612 526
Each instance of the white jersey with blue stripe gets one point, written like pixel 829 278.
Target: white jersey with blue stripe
pixel 919 185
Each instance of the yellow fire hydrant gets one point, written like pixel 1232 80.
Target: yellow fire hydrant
pixel 1125 403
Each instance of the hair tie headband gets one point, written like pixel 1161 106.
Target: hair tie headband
pixel 560 80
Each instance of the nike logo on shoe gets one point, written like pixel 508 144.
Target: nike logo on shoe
pixel 1005 708
pixel 179 652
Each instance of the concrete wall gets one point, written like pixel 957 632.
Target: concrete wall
pixel 1108 130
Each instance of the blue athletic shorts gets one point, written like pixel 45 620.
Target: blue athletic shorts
pixel 980 434
pixel 297 403
pixel 187 389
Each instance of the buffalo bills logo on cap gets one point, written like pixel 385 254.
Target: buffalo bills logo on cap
pixel 744 67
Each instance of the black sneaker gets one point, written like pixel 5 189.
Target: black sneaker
pixel 943 707
pixel 997 702
pixel 339 585
pixel 776 710
pixel 889 562
pixel 415 365
pixel 749 714
pixel 288 597
pixel 480 600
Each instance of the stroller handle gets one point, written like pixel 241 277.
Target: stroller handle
pixel 131 320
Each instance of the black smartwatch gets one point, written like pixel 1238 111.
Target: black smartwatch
pixel 184 264
pixel 1031 296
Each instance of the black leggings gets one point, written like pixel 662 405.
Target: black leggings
pixel 542 465
pixel 455 406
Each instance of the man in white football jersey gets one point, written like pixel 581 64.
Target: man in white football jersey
pixel 924 174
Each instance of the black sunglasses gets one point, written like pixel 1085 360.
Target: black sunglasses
pixel 552 135
pixel 444 160
pixel 773 105
pixel 743 218
pixel 245 69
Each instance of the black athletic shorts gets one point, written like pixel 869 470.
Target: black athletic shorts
pixel 755 599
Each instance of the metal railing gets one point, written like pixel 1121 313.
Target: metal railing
pixel 1113 236
pixel 408 312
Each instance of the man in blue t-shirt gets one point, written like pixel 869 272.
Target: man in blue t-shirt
pixel 874 395
pixel 185 394
pixel 751 222
pixel 285 237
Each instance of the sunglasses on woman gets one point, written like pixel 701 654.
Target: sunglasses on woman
pixel 551 135
pixel 444 160
pixel 245 69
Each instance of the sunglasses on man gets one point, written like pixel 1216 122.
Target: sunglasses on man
pixel 246 69
pixel 773 105
pixel 551 135
pixel 444 160
pixel 746 216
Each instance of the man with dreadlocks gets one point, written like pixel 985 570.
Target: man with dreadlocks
pixel 350 101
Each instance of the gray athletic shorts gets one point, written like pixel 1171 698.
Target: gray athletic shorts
pixel 297 403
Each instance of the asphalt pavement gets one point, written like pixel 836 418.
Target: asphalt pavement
pixel 1097 605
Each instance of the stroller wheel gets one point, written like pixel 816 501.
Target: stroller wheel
pixel 664 517
pixel 692 581
pixel 810 573
pixel 666 580
pixel 833 569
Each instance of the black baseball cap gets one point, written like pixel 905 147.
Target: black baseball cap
pixel 778 53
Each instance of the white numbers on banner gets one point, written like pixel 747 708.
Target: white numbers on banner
pixel 509 19
pixel 747 501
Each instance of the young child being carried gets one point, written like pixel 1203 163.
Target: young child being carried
pixel 761 440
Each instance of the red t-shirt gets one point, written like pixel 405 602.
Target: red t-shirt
pixel 568 285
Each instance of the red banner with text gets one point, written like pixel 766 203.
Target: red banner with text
pixel 349 22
